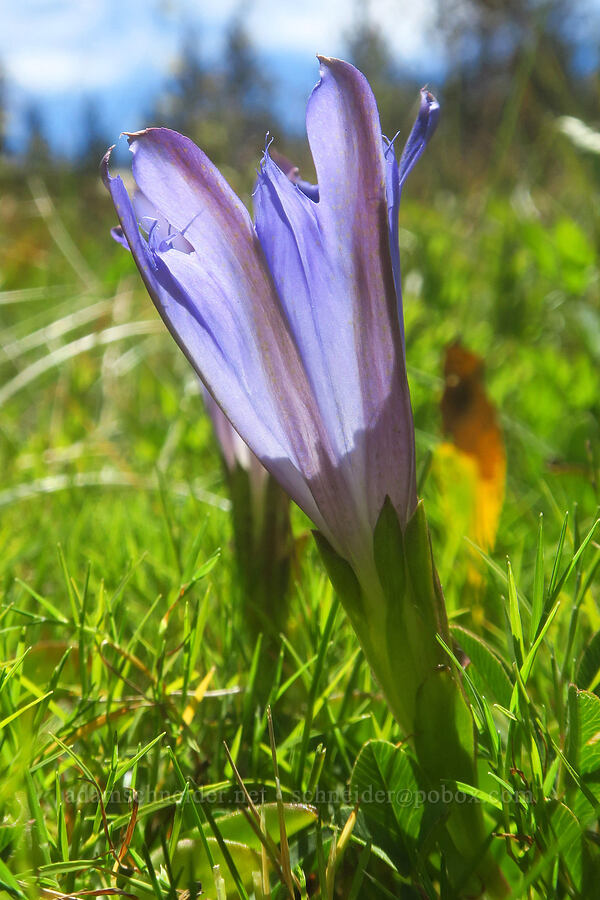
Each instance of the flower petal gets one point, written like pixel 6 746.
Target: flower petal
pixel 345 138
pixel 145 212
pixel 393 204
pixel 288 230
pixel 118 235
pixel 293 173
pixel 240 357
pixel 319 317
pixel 396 175
pixel 422 130
pixel 293 327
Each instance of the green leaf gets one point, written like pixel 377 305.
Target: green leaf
pixel 573 564
pixel 471 791
pixel 314 690
pixel 426 604
pixel 386 784
pixel 6 674
pixel 190 863
pixel 528 664
pixel 20 711
pixel 130 763
pixel 486 669
pixel 234 826
pixel 537 605
pixel 589 664
pixel 482 715
pixel 557 557
pixel 9 883
pixel 46 604
pixel 516 627
pixel 76 759
pixel 550 777
pixel 583 745
pixel 200 573
pixel 568 834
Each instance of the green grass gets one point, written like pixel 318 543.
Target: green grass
pixel 118 583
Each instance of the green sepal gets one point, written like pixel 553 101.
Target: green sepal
pixel 389 553
pixel 426 589
pixel 390 621
pixel 442 710
pixel 344 581
pixel 417 546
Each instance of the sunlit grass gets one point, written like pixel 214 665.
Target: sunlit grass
pixel 125 664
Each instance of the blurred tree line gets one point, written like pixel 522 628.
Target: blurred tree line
pixel 225 109
pixel 513 67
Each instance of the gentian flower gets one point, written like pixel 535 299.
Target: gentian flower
pixel 294 322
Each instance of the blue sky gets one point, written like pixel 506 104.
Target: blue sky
pixel 58 53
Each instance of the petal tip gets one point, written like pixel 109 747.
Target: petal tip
pixel 331 63
pixel 422 130
pixel 106 177
pixel 133 135
pixel 337 67
pixel 428 100
pixel 324 64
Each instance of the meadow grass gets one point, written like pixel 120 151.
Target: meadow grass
pixel 126 674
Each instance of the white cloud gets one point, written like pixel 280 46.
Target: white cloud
pixel 52 71
pixel 320 26
pixel 80 45
pixel 53 46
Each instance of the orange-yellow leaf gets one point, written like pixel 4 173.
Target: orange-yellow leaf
pixel 470 422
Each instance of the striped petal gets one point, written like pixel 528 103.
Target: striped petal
pixel 345 138
pixel 294 324
pixel 242 352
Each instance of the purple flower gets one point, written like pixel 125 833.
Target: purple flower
pixel 294 322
